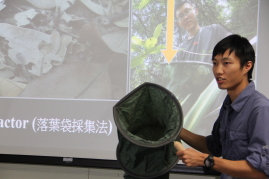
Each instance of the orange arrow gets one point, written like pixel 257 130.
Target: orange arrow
pixel 169 53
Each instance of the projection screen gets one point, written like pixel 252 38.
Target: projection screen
pixel 64 64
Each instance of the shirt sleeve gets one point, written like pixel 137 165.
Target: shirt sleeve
pixel 213 140
pixel 259 140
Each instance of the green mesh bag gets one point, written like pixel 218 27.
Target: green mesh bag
pixel 148 119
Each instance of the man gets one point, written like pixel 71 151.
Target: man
pixel 240 134
pixel 201 40
pixel 189 74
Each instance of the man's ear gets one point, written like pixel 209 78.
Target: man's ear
pixel 196 11
pixel 248 66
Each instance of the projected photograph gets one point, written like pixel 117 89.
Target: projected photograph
pixel 71 49
pixel 191 31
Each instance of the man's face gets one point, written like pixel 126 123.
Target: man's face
pixel 186 17
pixel 227 71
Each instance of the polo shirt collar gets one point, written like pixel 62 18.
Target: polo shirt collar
pixel 241 100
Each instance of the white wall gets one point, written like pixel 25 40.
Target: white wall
pixel 21 171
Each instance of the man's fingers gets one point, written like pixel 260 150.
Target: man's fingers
pixel 180 157
pixel 180 153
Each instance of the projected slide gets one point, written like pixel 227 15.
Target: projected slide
pixel 64 64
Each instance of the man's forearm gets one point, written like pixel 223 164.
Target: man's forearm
pixel 238 169
pixel 196 141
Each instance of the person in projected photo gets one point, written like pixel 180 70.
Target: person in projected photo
pixel 200 40
pixel 240 133
pixel 189 74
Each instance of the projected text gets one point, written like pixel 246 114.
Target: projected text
pixel 60 125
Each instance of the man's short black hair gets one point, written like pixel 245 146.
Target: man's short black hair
pixel 242 48
pixel 179 3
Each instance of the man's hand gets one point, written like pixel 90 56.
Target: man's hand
pixel 191 157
